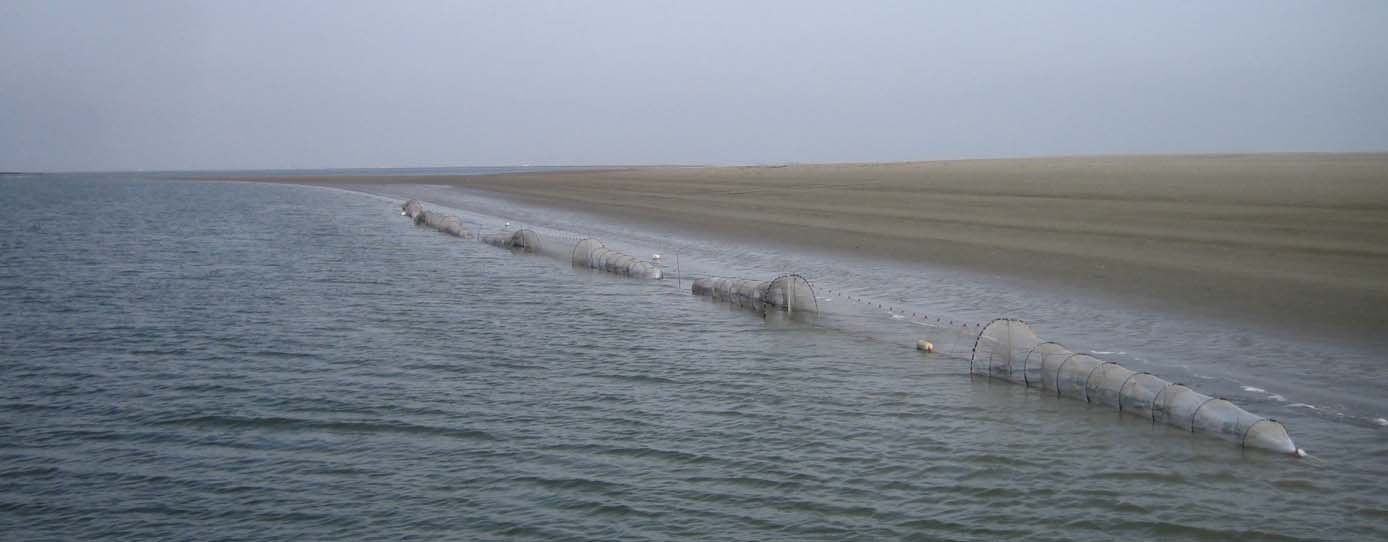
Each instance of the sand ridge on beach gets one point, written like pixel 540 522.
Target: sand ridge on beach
pixel 1291 237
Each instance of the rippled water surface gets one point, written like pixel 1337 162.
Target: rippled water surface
pixel 227 360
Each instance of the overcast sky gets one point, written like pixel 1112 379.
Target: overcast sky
pixel 206 85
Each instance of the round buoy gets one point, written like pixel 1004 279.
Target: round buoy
pixel 925 346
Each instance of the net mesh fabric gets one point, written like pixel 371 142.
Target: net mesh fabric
pixel 413 209
pixel 1138 395
pixel 437 220
pixel 1105 385
pixel 448 224
pixel 593 254
pixel 789 293
pixel 1037 357
pixel 524 240
pixel 581 252
pixel 1008 349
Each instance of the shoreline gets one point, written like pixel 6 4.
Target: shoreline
pixel 1298 240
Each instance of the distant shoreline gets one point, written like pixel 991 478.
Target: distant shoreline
pixel 1298 239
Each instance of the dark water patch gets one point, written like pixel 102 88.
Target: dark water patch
pixel 29 472
pixel 639 378
pixel 1135 476
pixel 299 424
pixel 1165 530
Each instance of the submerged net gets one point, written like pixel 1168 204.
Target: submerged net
pixel 789 293
pixel 413 209
pixel 520 239
pixel 588 253
pixel 592 254
pixel 1005 349
pixel 448 224
pixel 440 221
pixel 1009 350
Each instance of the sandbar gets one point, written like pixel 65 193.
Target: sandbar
pixel 1296 239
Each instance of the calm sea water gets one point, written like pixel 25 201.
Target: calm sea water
pixel 188 360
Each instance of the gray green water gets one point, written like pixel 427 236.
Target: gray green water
pixel 225 360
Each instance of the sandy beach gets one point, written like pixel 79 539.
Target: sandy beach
pixel 1300 239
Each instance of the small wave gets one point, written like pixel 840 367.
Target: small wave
pixel 662 455
pixel 282 354
pixel 158 352
pixel 1142 476
pixel 358 427
pixel 1302 405
pixel 754 482
pixel 1381 421
pixel 1278 398
pixel 1254 390
pixel 640 378
pixel 568 482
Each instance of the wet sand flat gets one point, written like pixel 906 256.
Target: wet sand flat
pixel 1298 238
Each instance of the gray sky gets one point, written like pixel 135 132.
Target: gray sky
pixel 205 85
